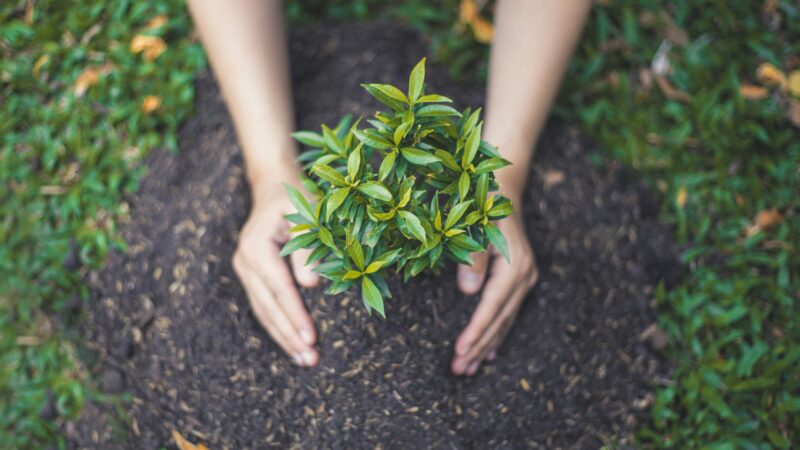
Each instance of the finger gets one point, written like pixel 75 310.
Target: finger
pixel 260 300
pixel 276 276
pixel 304 274
pixel 470 278
pixel 492 336
pixel 498 289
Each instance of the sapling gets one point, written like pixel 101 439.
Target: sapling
pixel 407 190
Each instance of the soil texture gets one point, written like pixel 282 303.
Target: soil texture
pixel 171 325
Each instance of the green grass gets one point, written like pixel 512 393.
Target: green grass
pixel 65 163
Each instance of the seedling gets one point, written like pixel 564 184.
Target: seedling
pixel 429 199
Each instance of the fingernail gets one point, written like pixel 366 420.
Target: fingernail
pixel 470 280
pixel 472 368
pixel 298 359
pixel 460 367
pixel 306 337
pixel 308 357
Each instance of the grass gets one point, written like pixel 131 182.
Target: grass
pixel 719 161
pixel 66 161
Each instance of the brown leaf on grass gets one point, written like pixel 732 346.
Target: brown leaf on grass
pixel 157 22
pixel 764 220
pixel 794 83
pixel 753 92
pixel 670 91
pixel 89 77
pixel 37 66
pixel 665 25
pixel 151 103
pixel 681 197
pixel 793 112
pixel 770 75
pixel 150 46
pixel 184 444
pixel 482 29
pixel 770 6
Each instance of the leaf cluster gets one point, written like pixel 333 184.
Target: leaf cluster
pixel 409 188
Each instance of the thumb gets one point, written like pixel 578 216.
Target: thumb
pixel 470 278
pixel 303 273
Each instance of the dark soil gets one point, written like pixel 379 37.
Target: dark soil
pixel 171 324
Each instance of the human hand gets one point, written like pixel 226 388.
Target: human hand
pixel 502 297
pixel 266 277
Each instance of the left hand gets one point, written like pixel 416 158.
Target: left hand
pixel 505 291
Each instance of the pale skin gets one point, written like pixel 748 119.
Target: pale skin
pixel 246 44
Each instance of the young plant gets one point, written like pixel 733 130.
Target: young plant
pixel 428 200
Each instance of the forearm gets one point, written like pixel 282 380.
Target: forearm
pixel 246 44
pixel 530 52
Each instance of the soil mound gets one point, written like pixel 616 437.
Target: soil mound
pixel 172 325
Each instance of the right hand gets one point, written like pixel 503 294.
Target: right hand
pixel 266 277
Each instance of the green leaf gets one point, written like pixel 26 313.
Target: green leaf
pixel 331 141
pixel 352 275
pixel 463 185
pixel 309 138
pixel 375 190
pixel 300 202
pixel 437 111
pixel 394 104
pixel 498 240
pixel 490 165
pixel 471 147
pixel 502 209
pixel 326 237
pixel 473 217
pixel 464 241
pixel 456 213
pixel 356 254
pixel 329 174
pixel 389 91
pixel 374 266
pixel 354 162
pixel 447 159
pixel 472 120
pixel 482 189
pixel 433 98
pixel 416 80
pixel 373 139
pixel 413 224
pixel 417 156
pixel 296 243
pixel 335 200
pixel 386 166
pixel 401 131
pixel 372 296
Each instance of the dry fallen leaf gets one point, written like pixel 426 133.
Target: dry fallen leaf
pixel 770 75
pixel 794 83
pixel 37 66
pixel 764 220
pixel 482 29
pixel 793 112
pixel 670 91
pixel 467 11
pixel 89 77
pixel 156 22
pixel 150 46
pixel 183 444
pixel 151 103
pixel 753 92
pixel 553 178
pixel 683 195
